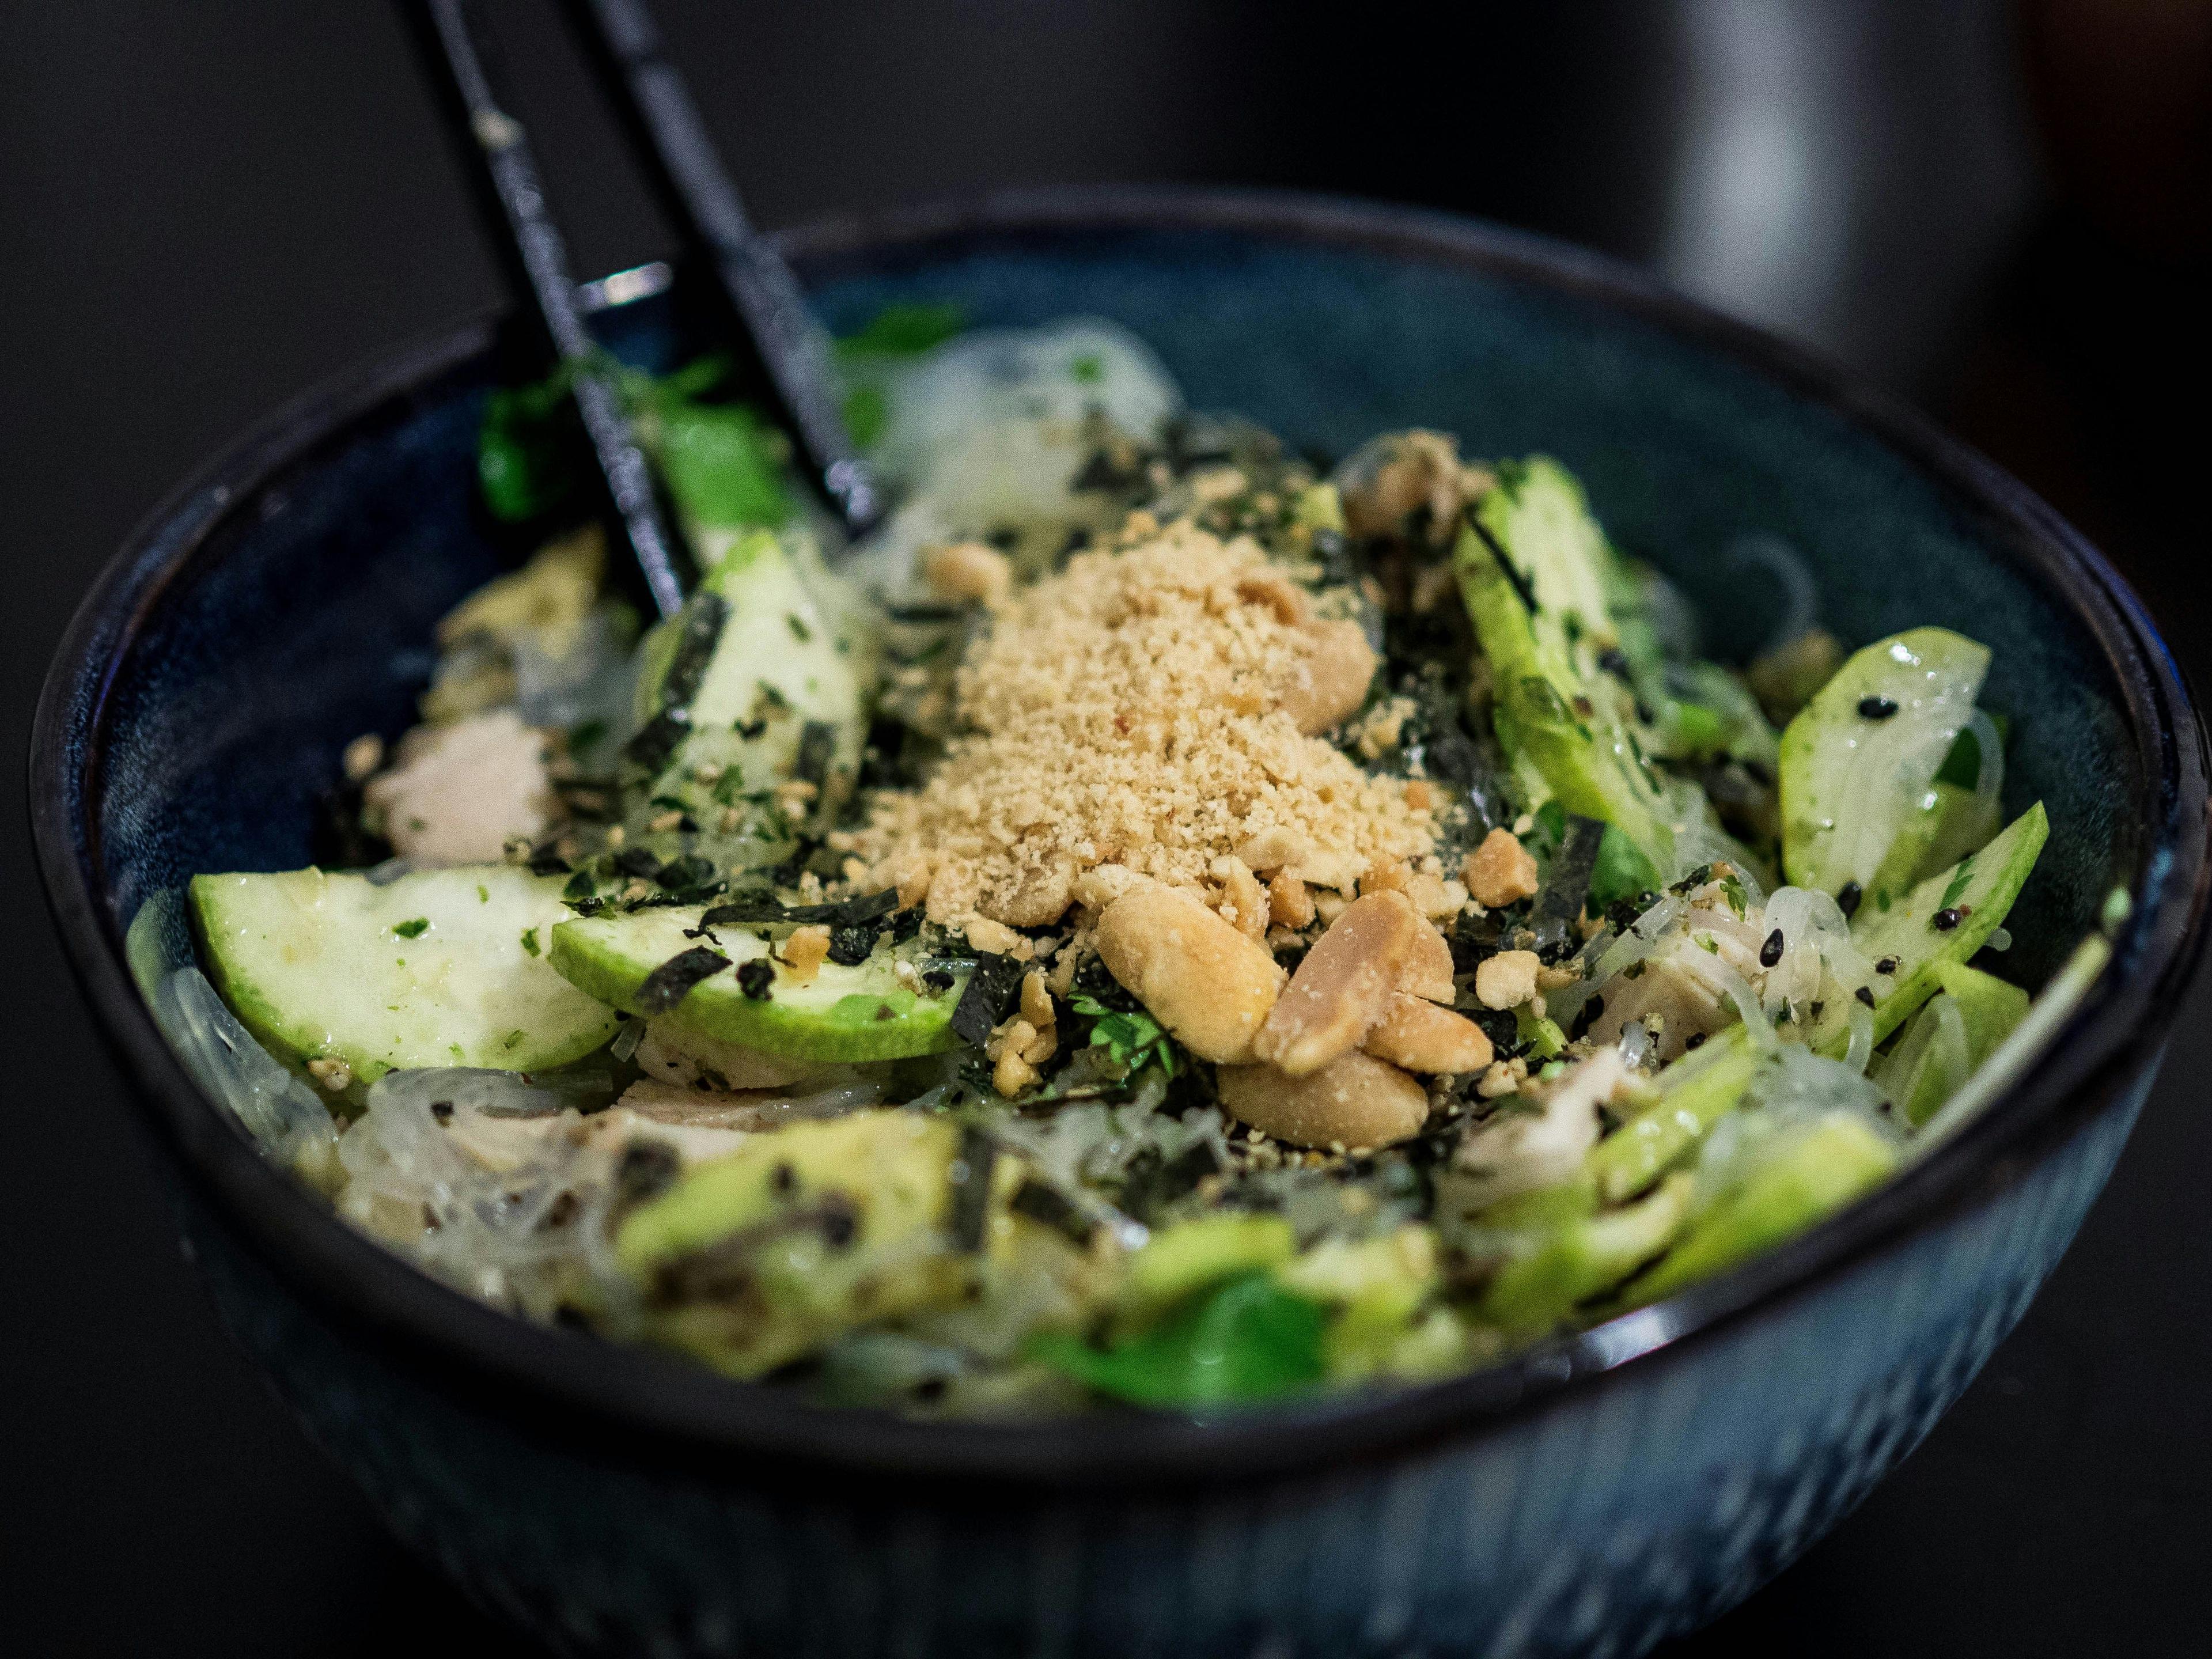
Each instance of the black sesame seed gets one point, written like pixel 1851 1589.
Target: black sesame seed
pixel 755 978
pixel 1887 966
pixel 1847 899
pixel 442 1109
pixel 1695 1039
pixel 839 1225
pixel 1865 993
pixel 1944 920
pixel 1770 952
pixel 938 979
pixel 783 1178
pixel 1877 707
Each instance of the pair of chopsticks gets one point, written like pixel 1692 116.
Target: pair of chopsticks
pixel 767 309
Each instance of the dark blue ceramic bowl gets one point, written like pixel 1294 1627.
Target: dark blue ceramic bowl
pixel 1589 1496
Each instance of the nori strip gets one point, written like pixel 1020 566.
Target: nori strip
pixel 851 946
pixel 658 739
pixel 1153 1184
pixel 1513 572
pixel 694 648
pixel 686 874
pixel 972 1168
pixel 758 908
pixel 640 861
pixel 670 983
pixel 991 992
pixel 817 743
pixel 1041 1203
pixel 1559 906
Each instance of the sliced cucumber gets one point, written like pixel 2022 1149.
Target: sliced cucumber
pixel 1557 713
pixel 1972 897
pixel 751 676
pixel 439 967
pixel 849 1014
pixel 1810 1171
pixel 1542 1283
pixel 1858 764
pixel 757 1258
pixel 1946 1042
pixel 1695 1093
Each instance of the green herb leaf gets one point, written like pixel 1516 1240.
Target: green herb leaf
pixel 1245 1339
pixel 530 941
pixel 1959 881
pixel 904 330
pixel 413 929
pixel 1133 1041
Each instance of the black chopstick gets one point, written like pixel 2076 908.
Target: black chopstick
pixel 625 47
pixel 464 64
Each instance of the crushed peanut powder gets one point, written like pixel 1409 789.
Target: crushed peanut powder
pixel 1130 711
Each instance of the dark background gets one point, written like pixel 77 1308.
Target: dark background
pixel 1997 210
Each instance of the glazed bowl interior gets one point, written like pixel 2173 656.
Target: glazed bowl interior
pixel 285 604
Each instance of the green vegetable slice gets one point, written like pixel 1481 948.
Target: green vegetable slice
pixel 419 971
pixel 849 1014
pixel 1946 918
pixel 1695 1093
pixel 1534 569
pixel 1542 1283
pixel 1809 1172
pixel 1859 761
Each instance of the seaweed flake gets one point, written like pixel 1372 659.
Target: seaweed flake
pixel 670 983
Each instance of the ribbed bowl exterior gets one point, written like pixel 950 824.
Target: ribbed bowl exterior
pixel 1593 1526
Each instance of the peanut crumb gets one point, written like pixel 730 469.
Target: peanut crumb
pixel 1139 710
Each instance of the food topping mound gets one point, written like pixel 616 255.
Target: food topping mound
pixel 1154 706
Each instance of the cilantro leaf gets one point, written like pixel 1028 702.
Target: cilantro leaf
pixel 1245 1338
pixel 1134 1040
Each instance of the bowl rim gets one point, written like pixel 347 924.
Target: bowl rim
pixel 632 1403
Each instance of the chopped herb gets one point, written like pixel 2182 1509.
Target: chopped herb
pixel 1959 882
pixel 483 894
pixel 413 929
pixel 797 624
pixel 1132 1040
pixel 530 941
